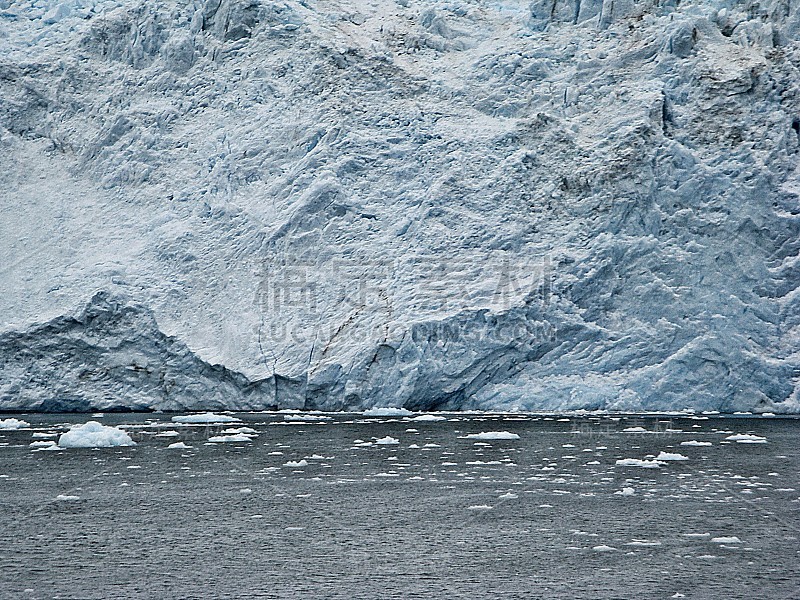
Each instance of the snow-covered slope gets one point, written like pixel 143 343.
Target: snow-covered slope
pixel 452 204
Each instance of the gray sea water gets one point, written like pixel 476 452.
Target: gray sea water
pixel 437 515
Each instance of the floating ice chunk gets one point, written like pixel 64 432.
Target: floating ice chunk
pixel 387 411
pixel 236 437
pixel 387 441
pixel 205 418
pixel 643 543
pixel 671 456
pixel 297 464
pixel 245 430
pixel 626 491
pixel 43 444
pixel 179 446
pixel 414 446
pixel 245 491
pixel 492 435
pixel 170 433
pixel 634 430
pixel 696 535
pixel 429 418
pixel 508 496
pixel 299 418
pixel 635 462
pixel 732 539
pixel 746 438
pixel 604 548
pixel 38 435
pixel 67 498
pixel 13 424
pixel 479 507
pixel 94 435
pixel 696 443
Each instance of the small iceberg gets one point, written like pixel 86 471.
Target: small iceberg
pixel 671 456
pixel 387 411
pixel 11 424
pixel 178 446
pixel 205 418
pixel 746 438
pixel 387 441
pixel 94 435
pixel 236 437
pixel 635 462
pixel 492 435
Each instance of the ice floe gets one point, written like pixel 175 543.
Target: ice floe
pixel 671 456
pixel 94 435
pixel 387 411
pixel 203 418
pixel 635 462
pixel 747 438
pixel 492 435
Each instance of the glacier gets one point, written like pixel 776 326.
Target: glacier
pixel 451 205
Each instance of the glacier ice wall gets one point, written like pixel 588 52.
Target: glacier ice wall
pixel 558 204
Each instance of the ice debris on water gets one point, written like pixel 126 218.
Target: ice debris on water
pixel 636 462
pixel 207 417
pixel 746 438
pixel 492 435
pixel 667 456
pixel 94 435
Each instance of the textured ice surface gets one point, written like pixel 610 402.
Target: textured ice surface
pixel 204 418
pixel 438 205
pixel 94 435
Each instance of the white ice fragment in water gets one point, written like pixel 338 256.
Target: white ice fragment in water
pixel 746 438
pixel 626 491
pixel 170 433
pixel 67 498
pixel 696 535
pixel 178 446
pixel 245 491
pixel 11 424
pixel 38 435
pixel 387 441
pixel 635 462
pixel 309 418
pixel 429 417
pixel 604 548
pixel 671 456
pixel 643 543
pixel 237 437
pixel 387 411
pixel 94 435
pixel 508 496
pixel 492 435
pixel 634 430
pixel 43 444
pixel 205 418
pixel 479 507
pixel 726 540
pixel 296 464
pixel 245 430
pixel 696 443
